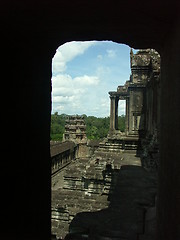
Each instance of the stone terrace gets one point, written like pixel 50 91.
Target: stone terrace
pixel 104 199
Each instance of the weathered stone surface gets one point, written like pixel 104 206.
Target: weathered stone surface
pixel 145 68
pixel 75 129
pixel 133 191
pixel 87 186
pixel 141 93
pixel 62 153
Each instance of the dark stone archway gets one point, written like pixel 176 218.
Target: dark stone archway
pixel 30 33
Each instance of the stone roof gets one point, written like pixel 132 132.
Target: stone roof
pixel 59 147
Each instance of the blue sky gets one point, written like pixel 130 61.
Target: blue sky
pixel 84 73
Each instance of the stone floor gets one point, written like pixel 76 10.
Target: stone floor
pixel 57 181
pixel 92 202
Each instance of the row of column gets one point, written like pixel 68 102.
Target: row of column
pixel 114 113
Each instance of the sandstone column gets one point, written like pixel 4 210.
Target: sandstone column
pixel 116 112
pixel 127 116
pixel 113 112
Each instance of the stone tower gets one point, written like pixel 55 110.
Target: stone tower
pixel 75 130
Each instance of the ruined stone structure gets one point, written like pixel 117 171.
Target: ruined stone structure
pixel 145 69
pixel 94 191
pixel 141 93
pixel 31 32
pixel 75 129
pixel 85 185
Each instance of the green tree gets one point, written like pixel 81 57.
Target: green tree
pixel 57 126
pixel 121 123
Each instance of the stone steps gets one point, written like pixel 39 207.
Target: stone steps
pixel 110 199
pixel 130 198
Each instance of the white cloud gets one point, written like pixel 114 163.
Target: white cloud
pixel 70 93
pixel 86 80
pixel 60 108
pixel 84 90
pixel 65 82
pixel 101 71
pixel 111 53
pixel 67 52
pixel 105 102
pixel 63 99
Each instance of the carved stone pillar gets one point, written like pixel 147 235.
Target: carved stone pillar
pixel 113 112
pixel 127 116
pixel 116 113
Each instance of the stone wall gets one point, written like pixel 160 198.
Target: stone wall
pixel 83 151
pixel 62 153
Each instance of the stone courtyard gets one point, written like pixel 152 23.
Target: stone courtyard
pixel 102 202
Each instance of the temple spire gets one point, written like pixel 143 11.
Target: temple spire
pixel 131 56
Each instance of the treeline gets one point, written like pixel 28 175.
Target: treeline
pixel 96 128
pixel 57 126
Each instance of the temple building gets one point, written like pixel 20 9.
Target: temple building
pixel 141 93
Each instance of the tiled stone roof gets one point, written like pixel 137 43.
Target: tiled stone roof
pixel 59 147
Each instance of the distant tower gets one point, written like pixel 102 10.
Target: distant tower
pixel 75 129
